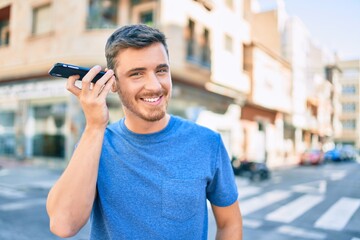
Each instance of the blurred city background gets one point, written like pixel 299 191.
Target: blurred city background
pixel 248 69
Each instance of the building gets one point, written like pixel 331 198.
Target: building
pixel 308 112
pixel 350 101
pixel 333 73
pixel 269 102
pixel 40 119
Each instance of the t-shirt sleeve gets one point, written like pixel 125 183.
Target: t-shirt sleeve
pixel 222 190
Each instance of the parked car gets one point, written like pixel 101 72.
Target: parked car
pixel 312 157
pixel 348 153
pixel 333 155
pixel 341 154
pixel 255 171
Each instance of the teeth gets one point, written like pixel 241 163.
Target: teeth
pixel 151 99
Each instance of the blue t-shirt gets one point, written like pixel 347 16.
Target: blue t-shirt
pixel 155 186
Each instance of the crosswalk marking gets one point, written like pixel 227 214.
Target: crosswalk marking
pixel 338 175
pixel 22 204
pixel 335 218
pixel 46 184
pixel 316 187
pixel 4 172
pixel 248 191
pixel 294 209
pixel 299 232
pixel 253 204
pixel 250 223
pixel 339 214
pixel 11 193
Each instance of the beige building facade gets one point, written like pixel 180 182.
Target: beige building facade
pixel 236 70
pixel 41 120
pixel 310 111
pixel 269 103
pixel 350 102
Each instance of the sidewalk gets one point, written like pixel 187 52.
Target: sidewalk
pixel 7 162
pixel 24 186
pixel 12 162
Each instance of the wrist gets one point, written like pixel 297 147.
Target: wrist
pixel 95 128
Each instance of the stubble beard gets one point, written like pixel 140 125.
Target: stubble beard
pixel 156 114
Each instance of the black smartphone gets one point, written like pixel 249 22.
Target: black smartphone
pixel 65 70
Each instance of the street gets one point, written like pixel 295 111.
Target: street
pixel 309 202
pixel 23 192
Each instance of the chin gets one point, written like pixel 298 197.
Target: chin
pixel 154 117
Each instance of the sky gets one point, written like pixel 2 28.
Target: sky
pixel 332 23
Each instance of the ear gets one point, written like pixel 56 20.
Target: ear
pixel 114 87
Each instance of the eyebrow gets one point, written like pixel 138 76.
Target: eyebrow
pixel 135 70
pixel 163 65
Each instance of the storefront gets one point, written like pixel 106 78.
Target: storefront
pixel 263 135
pixel 40 119
pixel 33 114
pixel 211 110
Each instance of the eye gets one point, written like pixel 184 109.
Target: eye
pixel 163 70
pixel 136 74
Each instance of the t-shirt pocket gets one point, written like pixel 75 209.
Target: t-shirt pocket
pixel 181 198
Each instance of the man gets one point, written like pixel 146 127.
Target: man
pixel 148 175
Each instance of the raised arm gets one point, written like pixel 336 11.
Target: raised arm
pixel 70 200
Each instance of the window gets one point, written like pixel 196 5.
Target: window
pixel 198 45
pixel 102 14
pixel 4 26
pixel 7 135
pixel 144 12
pixel 351 73
pixel 349 107
pixel 7 119
pixel 147 18
pixel 228 43
pixel 49 130
pixel 191 40
pixel 205 49
pixel 349 89
pixel 42 20
pixel 349 124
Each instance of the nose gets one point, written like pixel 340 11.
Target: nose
pixel 152 82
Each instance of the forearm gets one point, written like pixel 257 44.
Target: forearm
pixel 70 201
pixel 229 233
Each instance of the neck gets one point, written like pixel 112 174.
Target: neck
pixel 141 126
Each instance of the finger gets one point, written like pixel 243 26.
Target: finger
pixel 86 81
pixel 106 89
pixel 71 87
pixel 101 82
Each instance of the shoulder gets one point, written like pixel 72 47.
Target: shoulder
pixel 113 128
pixel 114 125
pixel 193 129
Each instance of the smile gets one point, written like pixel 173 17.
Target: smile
pixel 151 100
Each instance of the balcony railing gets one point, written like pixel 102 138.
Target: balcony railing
pixel 201 58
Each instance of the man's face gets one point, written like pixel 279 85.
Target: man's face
pixel 144 82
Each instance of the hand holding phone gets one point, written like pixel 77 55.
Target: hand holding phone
pixel 92 97
pixel 65 70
